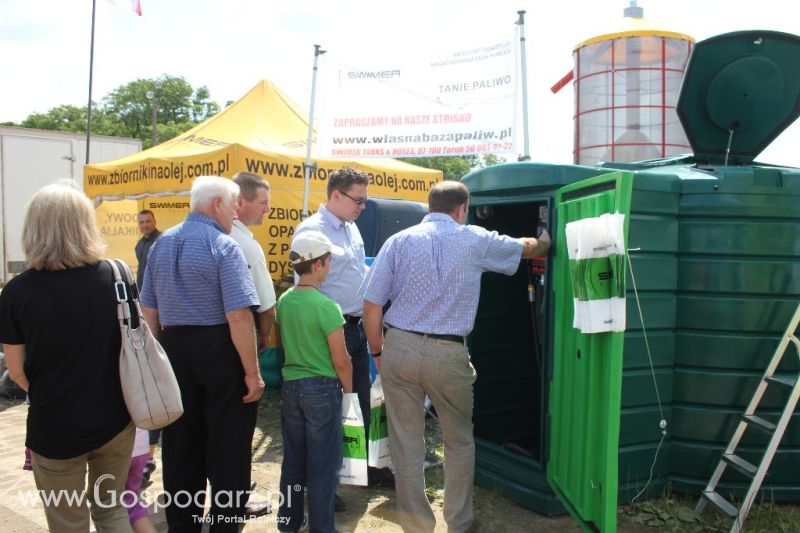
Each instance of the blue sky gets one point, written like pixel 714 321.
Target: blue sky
pixel 230 45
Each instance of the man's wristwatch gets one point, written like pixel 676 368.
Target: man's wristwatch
pixel 377 354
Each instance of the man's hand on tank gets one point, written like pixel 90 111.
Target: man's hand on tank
pixel 544 242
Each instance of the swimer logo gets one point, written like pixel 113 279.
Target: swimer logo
pixel 373 75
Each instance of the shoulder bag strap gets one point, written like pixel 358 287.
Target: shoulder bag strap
pixel 134 311
pixel 120 293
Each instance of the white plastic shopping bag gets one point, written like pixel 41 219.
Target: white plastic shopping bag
pixel 379 455
pixel 354 446
pixel 596 248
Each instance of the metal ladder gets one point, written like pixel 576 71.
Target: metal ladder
pixel 749 418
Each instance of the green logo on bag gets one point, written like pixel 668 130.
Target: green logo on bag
pixel 353 445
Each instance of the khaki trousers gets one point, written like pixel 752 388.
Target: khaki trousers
pixel 66 478
pixel 411 367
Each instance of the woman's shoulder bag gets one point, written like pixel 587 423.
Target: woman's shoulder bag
pixel 149 386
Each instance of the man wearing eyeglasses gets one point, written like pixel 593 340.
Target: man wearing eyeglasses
pixel 347 194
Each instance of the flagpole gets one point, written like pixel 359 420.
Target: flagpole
pixel 91 69
pixel 526 142
pixel 307 182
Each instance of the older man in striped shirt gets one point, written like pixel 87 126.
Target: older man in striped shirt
pixel 198 298
pixel 431 272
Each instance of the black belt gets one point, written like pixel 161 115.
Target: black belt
pixel 352 319
pixel 452 338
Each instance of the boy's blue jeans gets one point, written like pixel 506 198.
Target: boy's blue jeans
pixel 311 419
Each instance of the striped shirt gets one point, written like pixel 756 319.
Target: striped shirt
pixel 195 274
pixel 347 271
pixel 432 274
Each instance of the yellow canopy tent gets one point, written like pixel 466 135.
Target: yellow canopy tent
pixel 264 133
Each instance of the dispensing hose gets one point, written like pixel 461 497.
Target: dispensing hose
pixel 534 322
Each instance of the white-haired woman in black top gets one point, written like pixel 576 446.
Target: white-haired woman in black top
pixel 60 334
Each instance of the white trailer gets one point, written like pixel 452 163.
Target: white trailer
pixel 31 159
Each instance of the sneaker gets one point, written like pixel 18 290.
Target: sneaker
pixel 303 526
pixel 256 509
pixel 380 477
pixel 149 468
pixel 339 504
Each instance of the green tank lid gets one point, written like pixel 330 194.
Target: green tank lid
pixel 744 82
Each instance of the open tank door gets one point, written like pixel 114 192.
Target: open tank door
pixel 587 367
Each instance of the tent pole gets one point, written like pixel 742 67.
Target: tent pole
pixel 91 69
pixel 526 142
pixel 307 181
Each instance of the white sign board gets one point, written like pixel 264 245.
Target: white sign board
pixel 458 103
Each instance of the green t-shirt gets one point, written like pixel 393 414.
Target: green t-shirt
pixel 306 318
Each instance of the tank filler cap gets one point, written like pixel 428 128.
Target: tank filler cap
pixel 741 88
pixel 633 11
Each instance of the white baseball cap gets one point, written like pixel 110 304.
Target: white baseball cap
pixel 310 245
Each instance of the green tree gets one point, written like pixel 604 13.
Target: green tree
pixel 203 106
pixel 132 105
pixel 72 119
pixel 61 118
pixel 127 111
pixel 456 167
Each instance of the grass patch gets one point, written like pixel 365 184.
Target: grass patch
pixel 675 513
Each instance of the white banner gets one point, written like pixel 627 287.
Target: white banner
pixel 459 103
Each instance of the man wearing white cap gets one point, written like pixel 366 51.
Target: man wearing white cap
pixel 316 371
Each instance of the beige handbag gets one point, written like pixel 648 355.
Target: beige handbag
pixel 149 386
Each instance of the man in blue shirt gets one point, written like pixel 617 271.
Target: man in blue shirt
pixel 198 298
pixel 431 272
pixel 347 195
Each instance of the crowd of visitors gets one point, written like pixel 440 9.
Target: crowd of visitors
pixel 207 296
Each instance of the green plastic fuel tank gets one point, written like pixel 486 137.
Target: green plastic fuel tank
pixel 714 244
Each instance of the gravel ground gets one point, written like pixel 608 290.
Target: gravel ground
pixel 367 509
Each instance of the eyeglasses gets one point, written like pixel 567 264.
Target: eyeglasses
pixel 358 201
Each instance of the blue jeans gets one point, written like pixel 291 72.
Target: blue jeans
pixel 311 419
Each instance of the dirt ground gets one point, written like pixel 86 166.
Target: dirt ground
pixel 367 509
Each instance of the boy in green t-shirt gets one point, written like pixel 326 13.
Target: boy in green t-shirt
pixel 316 370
